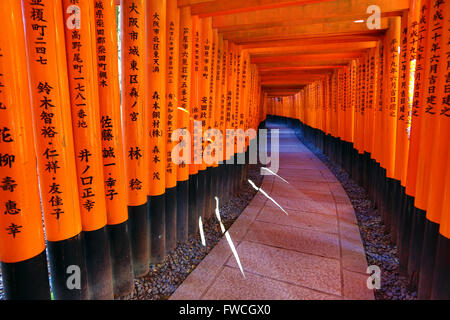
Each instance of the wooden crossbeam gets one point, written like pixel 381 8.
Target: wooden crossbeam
pixel 309 41
pixel 222 7
pixel 303 21
pixel 335 28
pixel 320 10
pixel 312 49
pixel 303 57
pixel 184 3
pixel 327 67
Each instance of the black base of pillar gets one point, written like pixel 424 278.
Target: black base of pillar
pixel 415 248
pixel 157 223
pixel 405 234
pixel 182 210
pixel 208 193
pixel 121 261
pixel 223 182
pixel 139 239
pixel 61 255
pixel 171 219
pixel 26 280
pixel 98 263
pixel 430 239
pixel 399 194
pixel 441 277
pixel 389 209
pixel 366 171
pixel 228 181
pixel 215 179
pixel 196 210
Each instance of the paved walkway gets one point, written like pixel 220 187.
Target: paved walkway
pixel 313 250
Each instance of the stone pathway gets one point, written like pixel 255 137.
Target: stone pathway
pixel 310 248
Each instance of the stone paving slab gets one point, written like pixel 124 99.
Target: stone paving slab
pixel 313 252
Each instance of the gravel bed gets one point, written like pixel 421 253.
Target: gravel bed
pixel 1 286
pixel 163 279
pixel 377 244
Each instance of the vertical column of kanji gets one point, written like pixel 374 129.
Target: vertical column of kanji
pixel 156 95
pixel 83 83
pixel 228 121
pixel 303 103
pixel 362 105
pixel 217 152
pixel 402 142
pixel 222 102
pixel 317 108
pixel 335 105
pixel 383 110
pixel 441 274
pixel 244 116
pixel 210 153
pixel 383 126
pixel 365 156
pixel 233 114
pixel 22 245
pixel 134 127
pixel 349 112
pixel 402 145
pixel 341 112
pixel 367 109
pixel 182 151
pixel 378 122
pixel 416 126
pixel 259 96
pixel 340 103
pixel 390 112
pixel 325 106
pixel 236 111
pixel 328 107
pixel 440 150
pixel 111 133
pixel 411 51
pixel 415 46
pixel 314 104
pixel 328 104
pixel 335 114
pixel 344 104
pixel 220 112
pixel 310 109
pixel 428 135
pixel 355 110
pixel 197 178
pixel 370 103
pixel 229 141
pixel 204 88
pixel 172 67
pixel 56 159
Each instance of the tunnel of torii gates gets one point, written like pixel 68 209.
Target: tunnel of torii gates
pixel 371 88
